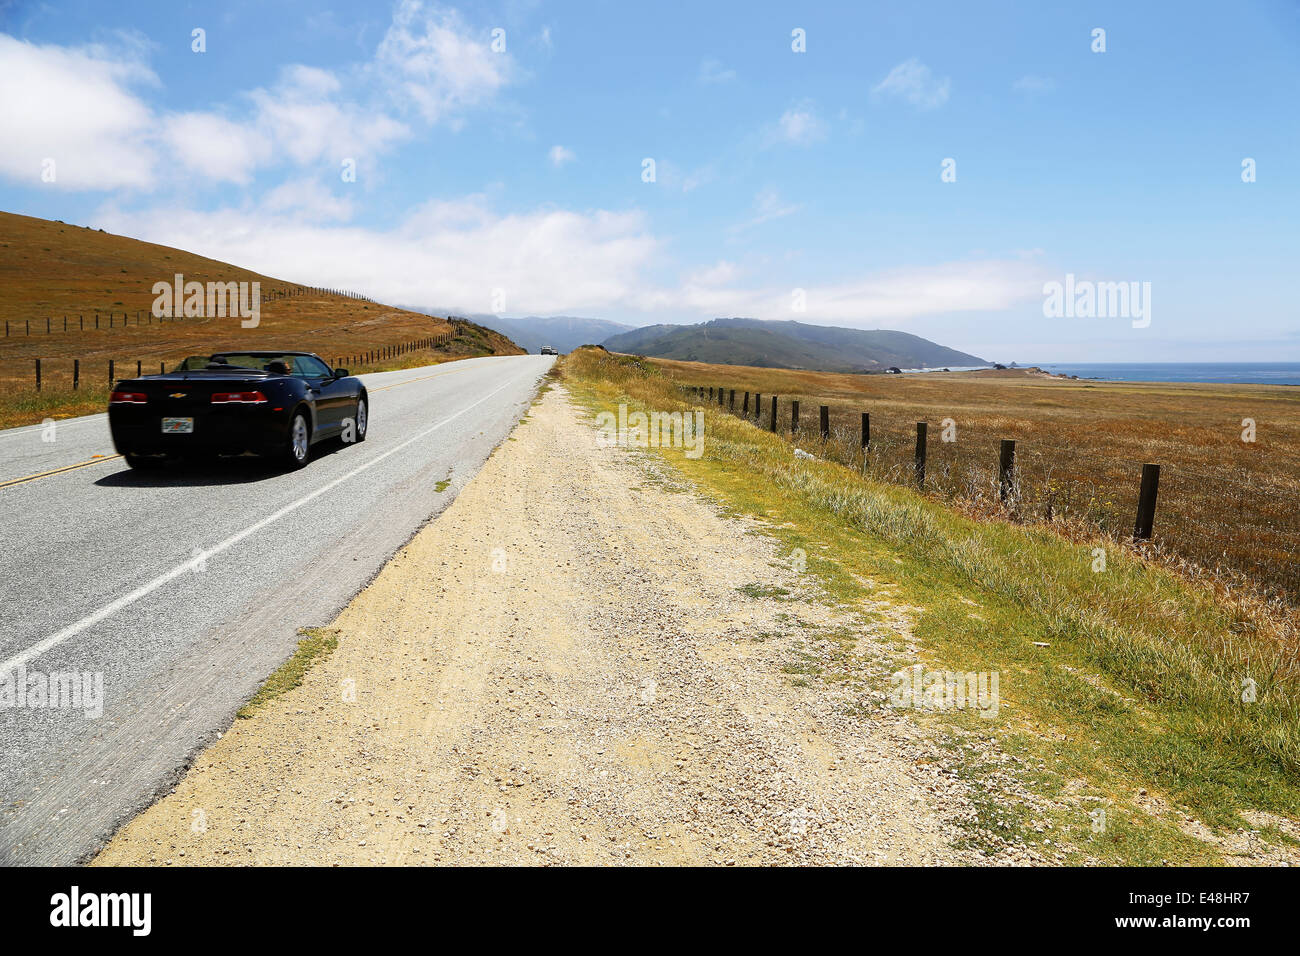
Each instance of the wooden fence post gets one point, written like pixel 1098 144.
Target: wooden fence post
pixel 731 402
pixel 773 414
pixel 1146 515
pixel 139 368
pixel 1006 468
pixel 920 454
pixel 110 373
pixel 38 375
pixel 758 407
pixel 794 418
pixel 866 429
pixel 825 422
pixel 76 374
pixel 744 405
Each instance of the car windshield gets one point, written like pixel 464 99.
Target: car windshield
pixel 303 366
pixel 193 363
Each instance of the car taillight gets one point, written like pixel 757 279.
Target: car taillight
pixel 128 398
pixel 238 398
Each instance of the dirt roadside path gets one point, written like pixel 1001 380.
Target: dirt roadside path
pixel 561 669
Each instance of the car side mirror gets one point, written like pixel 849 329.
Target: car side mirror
pixel 340 373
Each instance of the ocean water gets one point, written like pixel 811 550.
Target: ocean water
pixel 1233 373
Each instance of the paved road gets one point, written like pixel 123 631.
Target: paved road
pixel 183 589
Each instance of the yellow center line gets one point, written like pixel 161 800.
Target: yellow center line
pixel 423 378
pixel 384 388
pixel 97 460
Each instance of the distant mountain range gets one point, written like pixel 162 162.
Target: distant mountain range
pixel 769 344
pixel 564 332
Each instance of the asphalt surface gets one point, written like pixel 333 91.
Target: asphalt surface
pixel 183 589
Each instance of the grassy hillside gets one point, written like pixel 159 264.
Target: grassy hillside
pixel 791 345
pixel 52 270
pixel 1121 691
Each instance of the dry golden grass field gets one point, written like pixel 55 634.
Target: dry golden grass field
pixel 1225 505
pixel 50 271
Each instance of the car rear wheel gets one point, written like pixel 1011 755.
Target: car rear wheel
pixel 144 462
pixel 298 445
pixel 361 418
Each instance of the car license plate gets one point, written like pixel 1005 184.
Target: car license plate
pixel 178 426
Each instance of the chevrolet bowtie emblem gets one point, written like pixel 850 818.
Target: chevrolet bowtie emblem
pixel 178 394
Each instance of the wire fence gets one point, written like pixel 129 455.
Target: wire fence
pixel 73 373
pixel 96 319
pixel 1239 525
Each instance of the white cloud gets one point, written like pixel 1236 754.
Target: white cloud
pixel 798 125
pixel 79 107
pixel 454 254
pixel 720 273
pixel 310 119
pixel 215 147
pixel 308 200
pixel 430 60
pixel 712 71
pixel 894 296
pixel 983 286
pixel 76 107
pixel 768 205
pixel 560 155
pixel 678 179
pixel 914 82
pixel 1034 85
pixel 445 254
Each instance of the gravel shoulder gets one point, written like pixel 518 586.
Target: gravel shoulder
pixel 578 662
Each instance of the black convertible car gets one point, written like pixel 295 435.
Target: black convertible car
pixel 269 403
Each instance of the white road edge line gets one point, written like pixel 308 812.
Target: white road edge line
pixel 108 610
pixel 60 422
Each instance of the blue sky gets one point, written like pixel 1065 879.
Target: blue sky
pixel 513 178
